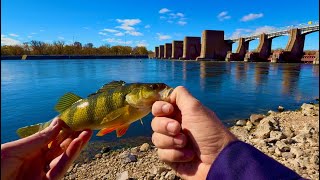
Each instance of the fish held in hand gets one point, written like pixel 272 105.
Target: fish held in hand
pixel 113 107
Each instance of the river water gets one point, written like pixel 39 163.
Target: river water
pixel 234 90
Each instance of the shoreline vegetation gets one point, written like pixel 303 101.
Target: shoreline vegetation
pixel 290 137
pixel 58 49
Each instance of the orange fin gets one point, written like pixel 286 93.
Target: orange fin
pixel 122 130
pixel 105 131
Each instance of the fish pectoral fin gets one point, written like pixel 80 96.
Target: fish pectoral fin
pixel 66 101
pixel 141 121
pixel 115 114
pixel 105 131
pixel 122 130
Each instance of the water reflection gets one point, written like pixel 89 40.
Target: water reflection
pixel 261 74
pixel 290 79
pixel 212 75
pixel 315 71
pixel 241 71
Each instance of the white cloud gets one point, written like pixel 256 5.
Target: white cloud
pixel 29 36
pixel 223 16
pixel 251 17
pixel 102 33
pixel 111 30
pixel 126 24
pixel 117 41
pixel 134 33
pixel 182 23
pixel 9 41
pixel 164 10
pixel 33 33
pixel 239 32
pixel 86 28
pixel 119 34
pixel 41 30
pixel 13 35
pixel 264 29
pixel 163 37
pixel 180 14
pixel 60 37
pixel 177 18
pixel 147 26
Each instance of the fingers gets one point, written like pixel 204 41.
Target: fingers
pixel 162 108
pixel 36 141
pixel 165 126
pixel 166 142
pixel 184 100
pixel 61 164
pixel 176 155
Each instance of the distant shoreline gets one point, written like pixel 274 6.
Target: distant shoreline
pixel 41 57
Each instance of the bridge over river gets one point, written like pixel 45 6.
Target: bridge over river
pixel 213 46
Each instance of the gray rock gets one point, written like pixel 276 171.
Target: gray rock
pixel 278 135
pixel 158 170
pixel 315 159
pixel 134 150
pixel 297 151
pixel 280 108
pixel 282 146
pixel 170 175
pixel 264 128
pixel 249 126
pixel 277 152
pixel 287 131
pixel 288 155
pixel 241 122
pixel 105 150
pixel 144 147
pixel 123 176
pixel 97 156
pixel 301 138
pixel 255 118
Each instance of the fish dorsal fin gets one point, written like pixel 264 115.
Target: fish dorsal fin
pixel 66 101
pixel 122 130
pixel 110 86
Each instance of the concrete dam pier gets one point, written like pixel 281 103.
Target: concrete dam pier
pixel 213 46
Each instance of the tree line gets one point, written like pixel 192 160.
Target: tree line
pixel 60 48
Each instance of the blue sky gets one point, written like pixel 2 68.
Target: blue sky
pixel 149 22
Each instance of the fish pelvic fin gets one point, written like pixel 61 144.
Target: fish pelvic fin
pixel 66 101
pixel 122 130
pixel 29 130
pixel 105 131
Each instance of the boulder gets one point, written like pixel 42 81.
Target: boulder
pixel 287 131
pixel 255 118
pixel 288 155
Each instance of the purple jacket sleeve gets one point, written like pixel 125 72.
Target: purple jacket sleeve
pixel 239 160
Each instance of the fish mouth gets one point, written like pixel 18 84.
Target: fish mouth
pixel 165 93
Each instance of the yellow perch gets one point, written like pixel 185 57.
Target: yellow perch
pixel 113 107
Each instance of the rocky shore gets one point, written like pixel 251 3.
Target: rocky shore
pixel 290 137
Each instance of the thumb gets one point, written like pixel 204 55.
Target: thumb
pixel 184 100
pixel 36 141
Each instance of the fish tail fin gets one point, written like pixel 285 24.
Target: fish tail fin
pixel 29 130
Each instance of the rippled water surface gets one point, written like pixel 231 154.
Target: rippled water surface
pixel 234 90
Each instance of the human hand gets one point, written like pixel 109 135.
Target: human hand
pixel 30 157
pixel 188 135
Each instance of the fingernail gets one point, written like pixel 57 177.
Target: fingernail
pixel 166 108
pixel 171 127
pixel 178 140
